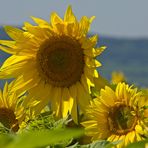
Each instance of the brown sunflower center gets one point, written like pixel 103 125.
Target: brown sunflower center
pixel 122 119
pixel 8 119
pixel 61 61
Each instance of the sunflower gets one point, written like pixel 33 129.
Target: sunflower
pixel 117 116
pixel 12 110
pixel 118 76
pixel 56 60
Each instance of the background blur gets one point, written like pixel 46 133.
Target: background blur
pixel 122 26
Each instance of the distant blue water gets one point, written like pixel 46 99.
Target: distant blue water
pixel 127 55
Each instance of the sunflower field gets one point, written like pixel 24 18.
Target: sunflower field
pixel 54 95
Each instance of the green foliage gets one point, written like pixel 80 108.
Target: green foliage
pixel 40 132
pixel 43 121
pixel 96 144
pixel 140 144
pixel 5 139
pixel 3 129
pixel 46 120
pixel 40 138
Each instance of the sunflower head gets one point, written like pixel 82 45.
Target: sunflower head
pixel 61 61
pixel 8 119
pixel 117 115
pixel 56 59
pixel 65 51
pixel 13 109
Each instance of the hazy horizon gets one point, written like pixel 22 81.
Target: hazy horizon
pixel 113 18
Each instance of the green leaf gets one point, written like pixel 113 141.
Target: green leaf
pixel 5 139
pixel 140 144
pixel 42 138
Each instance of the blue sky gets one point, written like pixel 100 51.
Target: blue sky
pixel 120 18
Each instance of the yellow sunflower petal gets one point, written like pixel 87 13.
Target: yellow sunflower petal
pixel 5 94
pixel 89 76
pixel 1 98
pixel 42 33
pixel 8 50
pixel 132 136
pixel 81 95
pixel 22 84
pixel 89 123
pixel 17 34
pixel 138 137
pixel 26 25
pixel 55 19
pixel 74 111
pixel 116 138
pixel 93 63
pixel 108 96
pixel 40 22
pixel 85 83
pixel 94 52
pixel 11 66
pixel 55 98
pixel 60 28
pixel 67 102
pixel 111 138
pixel 139 129
pixel 7 43
pixel 85 24
pixel 69 16
pixel 89 43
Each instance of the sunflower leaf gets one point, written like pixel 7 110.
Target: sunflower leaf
pixel 44 138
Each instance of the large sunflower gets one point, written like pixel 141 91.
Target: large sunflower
pixel 117 115
pixel 12 109
pixel 56 59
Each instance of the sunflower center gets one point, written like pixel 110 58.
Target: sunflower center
pixel 61 61
pixel 122 119
pixel 8 119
